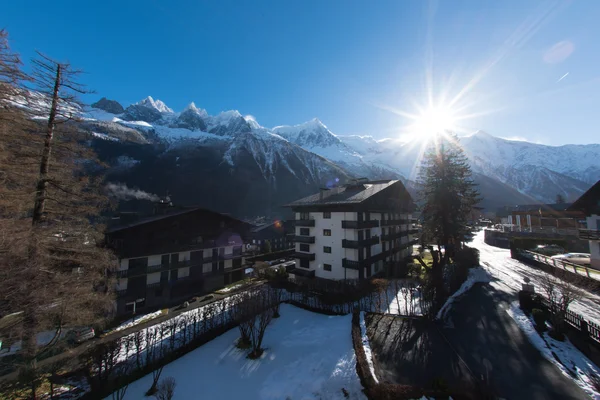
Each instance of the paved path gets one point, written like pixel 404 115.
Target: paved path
pixel 492 345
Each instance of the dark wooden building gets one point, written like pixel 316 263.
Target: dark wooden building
pixel 177 253
pixel 279 235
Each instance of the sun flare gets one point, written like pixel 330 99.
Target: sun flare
pixel 434 120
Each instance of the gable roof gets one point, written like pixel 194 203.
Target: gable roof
pixel 589 202
pixel 349 194
pixel 174 213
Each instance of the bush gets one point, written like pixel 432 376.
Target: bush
pixel 525 301
pixel 539 317
pixel 467 257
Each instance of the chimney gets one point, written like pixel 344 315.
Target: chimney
pixel 163 205
pixel 322 193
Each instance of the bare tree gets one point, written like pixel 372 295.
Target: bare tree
pixel 561 290
pixel 122 371
pixel 100 362
pixel 276 299
pixel 155 378
pixel 53 259
pixel 166 389
pixel 242 314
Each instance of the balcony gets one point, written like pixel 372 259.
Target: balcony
pixel 350 264
pixel 413 231
pixel 128 273
pixel 360 224
pixel 355 244
pixel 589 234
pixel 304 256
pixel 305 222
pixel 389 222
pixel 304 239
pixel 393 236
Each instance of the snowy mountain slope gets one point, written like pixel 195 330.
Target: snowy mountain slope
pixel 315 137
pixel 487 152
pixel 537 171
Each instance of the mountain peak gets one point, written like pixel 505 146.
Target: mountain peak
pixel 192 108
pixel 311 133
pixel 155 104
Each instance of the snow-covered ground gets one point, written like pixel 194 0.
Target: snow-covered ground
pixel 136 320
pixel 510 274
pixel 475 275
pixel 403 298
pixel 366 346
pixel 308 356
pixel 567 358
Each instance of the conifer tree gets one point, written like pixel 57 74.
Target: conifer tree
pixel 447 192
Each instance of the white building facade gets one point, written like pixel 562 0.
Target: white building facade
pixel 353 232
pixel 589 203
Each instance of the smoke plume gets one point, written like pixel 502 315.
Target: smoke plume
pixel 122 192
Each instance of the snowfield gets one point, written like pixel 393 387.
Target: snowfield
pixel 307 356
pixel 508 275
pixel 137 320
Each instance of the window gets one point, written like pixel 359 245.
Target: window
pixel 304 264
pixel 304 216
pixel 326 232
pixel 327 267
pixel 253 241
pixel 141 262
pixel 304 247
pixel 327 215
pixel 304 231
pixel 326 249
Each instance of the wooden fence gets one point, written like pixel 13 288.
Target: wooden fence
pixel 579 322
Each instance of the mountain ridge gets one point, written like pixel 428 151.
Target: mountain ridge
pixel 538 172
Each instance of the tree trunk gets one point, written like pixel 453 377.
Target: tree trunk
pixel 42 185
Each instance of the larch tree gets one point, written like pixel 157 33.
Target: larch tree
pixel 53 260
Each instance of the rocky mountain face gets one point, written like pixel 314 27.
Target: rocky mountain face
pixel 110 106
pixel 226 162
pixel 230 163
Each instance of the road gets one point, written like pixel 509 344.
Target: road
pixel 509 274
pixel 496 351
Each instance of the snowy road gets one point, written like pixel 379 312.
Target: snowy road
pixel 510 274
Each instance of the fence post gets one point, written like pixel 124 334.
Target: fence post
pixel 584 327
pixel 587 271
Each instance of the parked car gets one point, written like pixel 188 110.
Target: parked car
pixel 549 249
pixel 80 334
pixel 575 258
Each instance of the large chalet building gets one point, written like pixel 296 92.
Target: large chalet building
pixel 177 253
pixel 355 231
pixel 589 204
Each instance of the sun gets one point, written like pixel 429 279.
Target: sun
pixel 433 120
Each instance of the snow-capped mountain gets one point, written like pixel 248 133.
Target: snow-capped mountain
pixel 309 155
pixel 226 162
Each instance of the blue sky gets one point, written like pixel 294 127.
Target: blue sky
pixel 358 66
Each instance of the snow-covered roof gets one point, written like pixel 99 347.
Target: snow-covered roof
pixel 348 194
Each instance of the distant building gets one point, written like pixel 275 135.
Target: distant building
pixel 175 254
pixel 279 235
pixel 542 218
pixel 589 204
pixel 353 231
